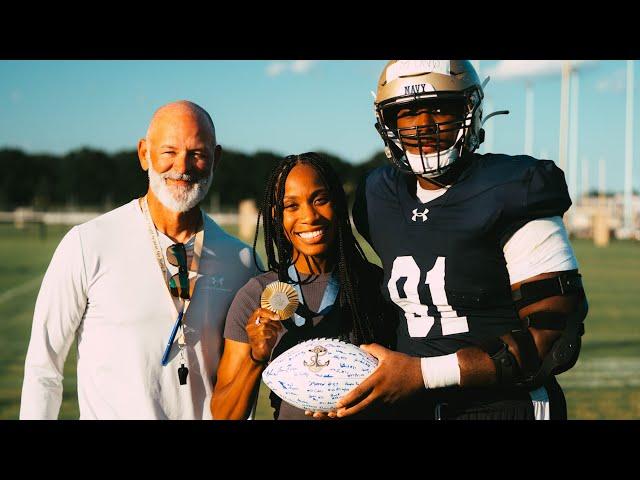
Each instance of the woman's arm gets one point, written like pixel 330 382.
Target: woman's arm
pixel 241 366
pixel 237 384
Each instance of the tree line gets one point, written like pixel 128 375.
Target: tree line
pixel 90 179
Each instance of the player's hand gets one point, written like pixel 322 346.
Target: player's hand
pixel 321 415
pixel 397 376
pixel 262 328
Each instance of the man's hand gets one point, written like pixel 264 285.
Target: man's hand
pixel 321 415
pixel 397 376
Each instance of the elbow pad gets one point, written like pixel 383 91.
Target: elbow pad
pixel 563 354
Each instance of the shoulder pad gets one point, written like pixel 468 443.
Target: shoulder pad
pixel 528 189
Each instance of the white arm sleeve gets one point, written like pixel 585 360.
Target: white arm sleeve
pixel 58 312
pixel 540 246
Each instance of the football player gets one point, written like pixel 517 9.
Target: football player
pixel 475 256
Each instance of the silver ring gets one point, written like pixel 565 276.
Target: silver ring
pixel 258 321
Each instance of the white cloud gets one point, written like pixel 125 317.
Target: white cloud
pixel 302 66
pixel 276 68
pixel 518 69
pixel 297 67
pixel 615 82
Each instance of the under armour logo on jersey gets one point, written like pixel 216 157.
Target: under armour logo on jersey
pixel 422 215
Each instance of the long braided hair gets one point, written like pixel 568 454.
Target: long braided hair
pixel 350 259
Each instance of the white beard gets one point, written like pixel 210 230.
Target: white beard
pixel 178 198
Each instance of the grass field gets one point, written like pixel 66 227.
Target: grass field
pixel 604 384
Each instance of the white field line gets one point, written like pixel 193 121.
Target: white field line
pixel 603 372
pixel 20 289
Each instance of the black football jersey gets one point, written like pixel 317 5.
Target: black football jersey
pixel 443 260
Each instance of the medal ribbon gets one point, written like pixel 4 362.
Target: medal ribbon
pixel 328 298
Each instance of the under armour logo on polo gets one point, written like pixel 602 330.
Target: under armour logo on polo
pixel 422 215
pixel 217 283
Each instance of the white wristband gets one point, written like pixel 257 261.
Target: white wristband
pixel 438 372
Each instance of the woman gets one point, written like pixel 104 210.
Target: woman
pixel 309 242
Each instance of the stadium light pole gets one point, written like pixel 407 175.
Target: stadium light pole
pixel 602 180
pixel 600 225
pixel 628 150
pixel 528 129
pixel 585 177
pixel 564 114
pixel 573 135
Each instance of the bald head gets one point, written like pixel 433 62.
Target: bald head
pixel 182 110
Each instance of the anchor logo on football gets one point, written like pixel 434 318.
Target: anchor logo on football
pixel 422 215
pixel 315 365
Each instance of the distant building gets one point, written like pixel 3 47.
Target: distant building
pixel 581 215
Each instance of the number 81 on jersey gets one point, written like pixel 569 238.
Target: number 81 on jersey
pixel 419 322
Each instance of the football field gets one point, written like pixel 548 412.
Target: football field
pixel 604 384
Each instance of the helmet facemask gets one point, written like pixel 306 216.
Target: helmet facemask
pixel 398 141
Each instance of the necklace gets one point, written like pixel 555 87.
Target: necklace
pixel 180 324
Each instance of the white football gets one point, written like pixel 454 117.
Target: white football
pixel 315 374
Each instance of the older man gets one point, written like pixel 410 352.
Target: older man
pixel 145 288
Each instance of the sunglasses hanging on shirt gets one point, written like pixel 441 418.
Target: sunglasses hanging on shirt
pixel 179 285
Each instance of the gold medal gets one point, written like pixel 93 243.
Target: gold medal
pixel 281 298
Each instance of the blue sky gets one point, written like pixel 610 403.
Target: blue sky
pixel 290 107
